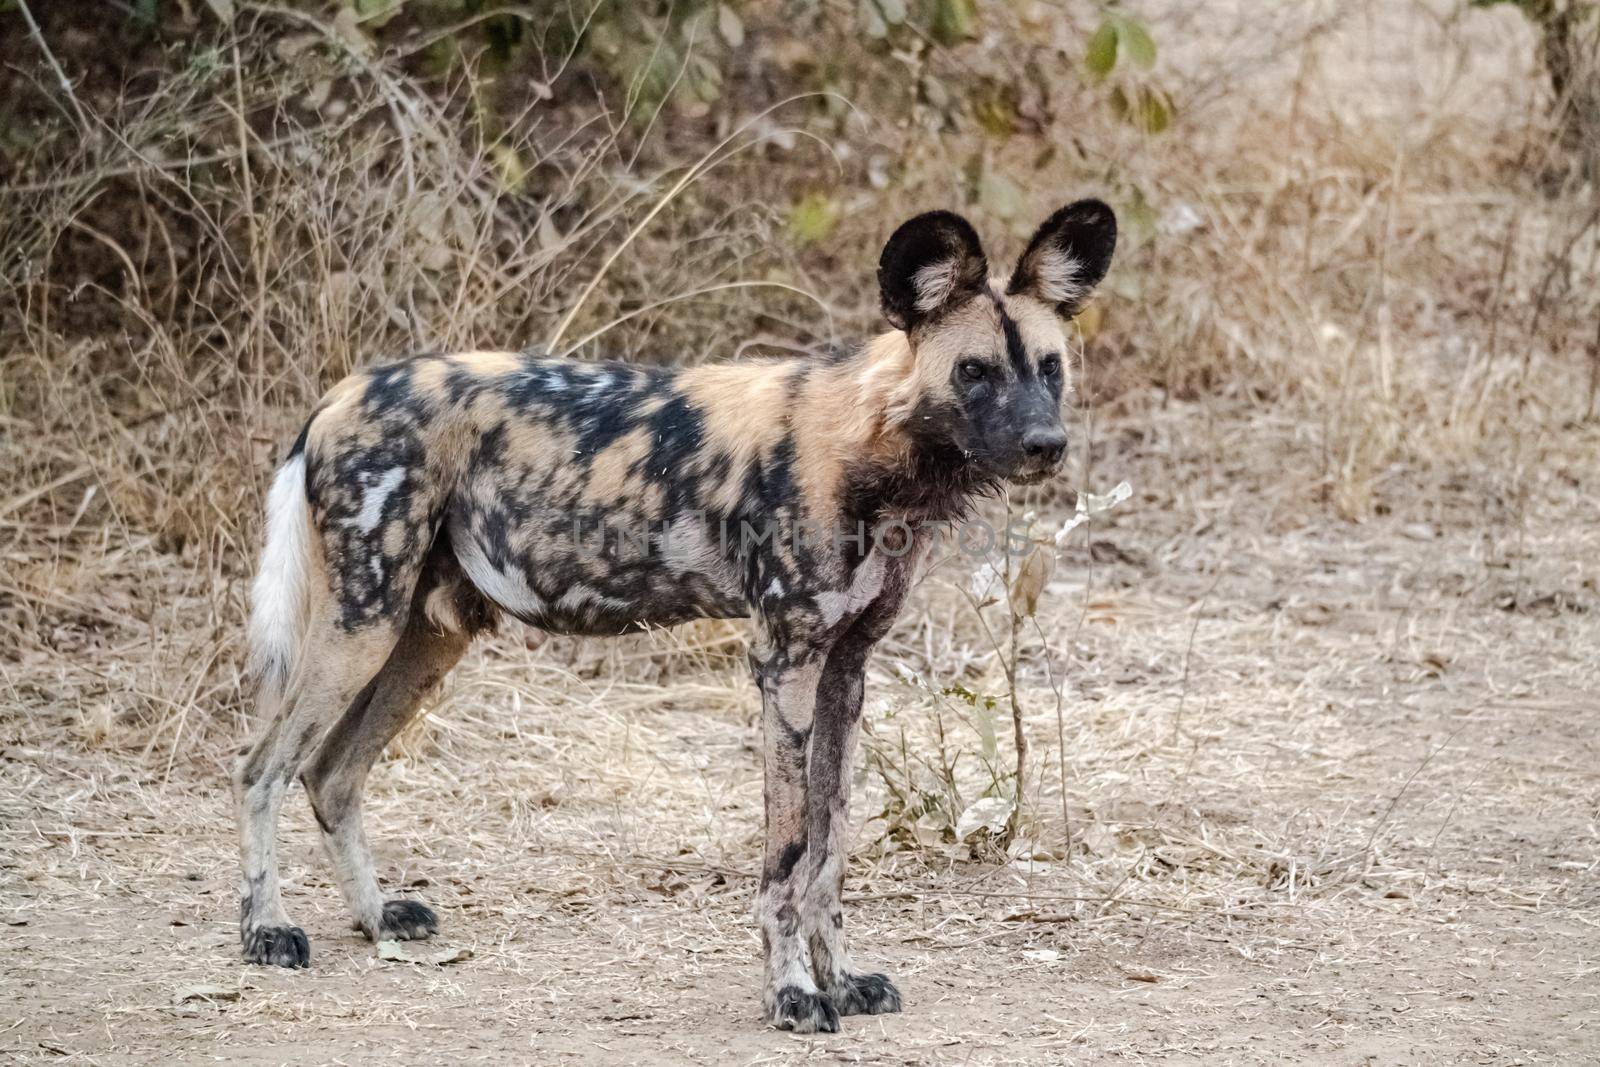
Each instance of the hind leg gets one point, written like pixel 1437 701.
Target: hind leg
pixel 335 669
pixel 337 773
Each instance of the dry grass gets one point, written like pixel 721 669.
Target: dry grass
pixel 1321 786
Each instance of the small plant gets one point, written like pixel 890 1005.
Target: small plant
pixel 928 805
pixel 1135 98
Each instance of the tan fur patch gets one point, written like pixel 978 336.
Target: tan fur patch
pixel 613 474
pixel 971 331
pixel 842 416
pixel 490 362
pixel 746 413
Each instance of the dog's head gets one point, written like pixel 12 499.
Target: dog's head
pixel 989 355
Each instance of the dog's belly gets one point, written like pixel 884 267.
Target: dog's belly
pixel 592 581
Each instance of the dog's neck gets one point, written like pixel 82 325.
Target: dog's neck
pixel 877 453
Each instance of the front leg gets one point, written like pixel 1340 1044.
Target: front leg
pixel 833 742
pixel 788 699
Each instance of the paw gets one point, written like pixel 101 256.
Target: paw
pixel 803 1011
pixel 276 946
pixel 865 994
pixel 406 920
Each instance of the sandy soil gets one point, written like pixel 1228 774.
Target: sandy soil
pixel 1333 795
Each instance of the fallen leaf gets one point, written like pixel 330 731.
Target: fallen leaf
pixel 985 813
pixel 403 952
pixel 391 950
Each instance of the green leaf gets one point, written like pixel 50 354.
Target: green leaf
pixel 1154 110
pixel 1147 109
pixel 997 108
pixel 954 20
pixel 813 218
pixel 1137 43
pixel 509 168
pixel 705 78
pixel 1102 53
pixel 1141 216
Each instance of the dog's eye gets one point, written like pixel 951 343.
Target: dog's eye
pixel 973 371
pixel 1050 366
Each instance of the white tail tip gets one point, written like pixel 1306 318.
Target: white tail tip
pixel 278 597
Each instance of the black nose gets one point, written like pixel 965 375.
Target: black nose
pixel 1045 444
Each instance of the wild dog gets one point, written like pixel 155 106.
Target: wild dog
pixel 426 499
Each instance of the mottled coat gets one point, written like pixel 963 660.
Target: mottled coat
pixel 426 499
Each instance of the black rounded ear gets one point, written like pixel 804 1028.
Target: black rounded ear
pixel 930 263
pixel 1068 256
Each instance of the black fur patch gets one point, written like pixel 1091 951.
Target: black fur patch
pixel 407 920
pixel 927 240
pixel 940 483
pixel 803 1012
pixel 276 946
pixel 792 853
pixel 1086 230
pixel 866 994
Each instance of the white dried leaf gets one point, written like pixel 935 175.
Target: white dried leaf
pixel 985 813
pixel 413 952
pixel 1090 504
pixel 1181 218
pixel 983 581
pixel 549 237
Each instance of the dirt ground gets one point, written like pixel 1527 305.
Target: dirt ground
pixel 1332 788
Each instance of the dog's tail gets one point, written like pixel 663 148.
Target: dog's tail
pixel 278 597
